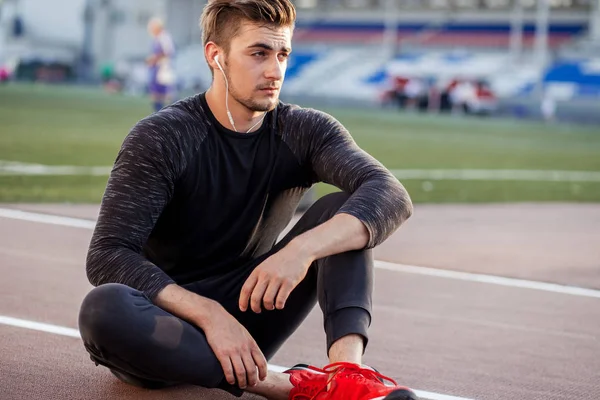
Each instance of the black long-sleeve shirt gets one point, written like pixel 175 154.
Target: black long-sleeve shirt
pixel 188 198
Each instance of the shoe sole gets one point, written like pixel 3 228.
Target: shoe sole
pixel 400 394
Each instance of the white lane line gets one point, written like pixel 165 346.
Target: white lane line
pixel 38 326
pixel 437 396
pixel 497 175
pixel 47 219
pixel 70 332
pixel 409 269
pixel 491 279
pixel 20 168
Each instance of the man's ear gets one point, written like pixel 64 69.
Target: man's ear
pixel 211 51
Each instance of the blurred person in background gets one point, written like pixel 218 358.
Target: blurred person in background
pixel 447 87
pixel 192 285
pixel 548 107
pixel 416 92
pixel 462 95
pixel 162 75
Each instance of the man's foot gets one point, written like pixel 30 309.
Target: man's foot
pixel 346 381
pixel 354 382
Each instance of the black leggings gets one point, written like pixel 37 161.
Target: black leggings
pixel 144 345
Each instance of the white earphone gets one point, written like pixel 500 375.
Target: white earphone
pixel 227 96
pixel 219 65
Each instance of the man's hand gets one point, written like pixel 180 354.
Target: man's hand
pixel 235 349
pixel 271 283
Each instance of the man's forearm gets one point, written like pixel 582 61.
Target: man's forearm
pixel 341 233
pixel 186 305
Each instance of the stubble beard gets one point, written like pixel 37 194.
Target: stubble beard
pixel 250 103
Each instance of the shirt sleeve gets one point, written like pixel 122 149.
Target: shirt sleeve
pixel 377 198
pixel 140 185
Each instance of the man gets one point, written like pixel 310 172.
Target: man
pixel 162 75
pixel 192 286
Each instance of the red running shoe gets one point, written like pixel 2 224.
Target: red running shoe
pixel 308 382
pixel 347 381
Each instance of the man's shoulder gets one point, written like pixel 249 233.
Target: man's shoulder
pixel 185 110
pixel 180 124
pixel 175 118
pixel 303 114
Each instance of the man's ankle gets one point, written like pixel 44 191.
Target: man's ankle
pixel 349 348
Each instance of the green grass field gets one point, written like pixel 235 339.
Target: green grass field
pixel 84 127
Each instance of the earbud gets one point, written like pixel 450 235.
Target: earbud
pixel 218 65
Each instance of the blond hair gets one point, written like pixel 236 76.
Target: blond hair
pixel 157 22
pixel 221 19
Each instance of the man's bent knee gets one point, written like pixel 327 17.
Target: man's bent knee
pixel 102 310
pixel 330 203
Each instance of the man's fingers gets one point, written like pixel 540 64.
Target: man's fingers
pixel 240 371
pixel 270 294
pixel 283 294
pixel 257 295
pixel 261 363
pixel 227 369
pixel 250 366
pixel 247 291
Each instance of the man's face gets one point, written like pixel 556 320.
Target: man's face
pixel 255 65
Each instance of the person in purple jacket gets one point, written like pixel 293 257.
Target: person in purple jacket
pixel 161 74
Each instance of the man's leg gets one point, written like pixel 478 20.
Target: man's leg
pixel 158 101
pixel 342 283
pixel 345 286
pixel 143 344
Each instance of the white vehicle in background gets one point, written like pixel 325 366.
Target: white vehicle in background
pixel 472 96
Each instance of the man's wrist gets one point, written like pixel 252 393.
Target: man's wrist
pixel 187 305
pixel 303 248
pixel 208 310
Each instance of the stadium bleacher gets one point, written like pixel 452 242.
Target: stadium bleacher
pixel 348 61
pixel 465 35
pixel 578 78
pixel 346 72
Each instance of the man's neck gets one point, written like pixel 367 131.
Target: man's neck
pixel 243 118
